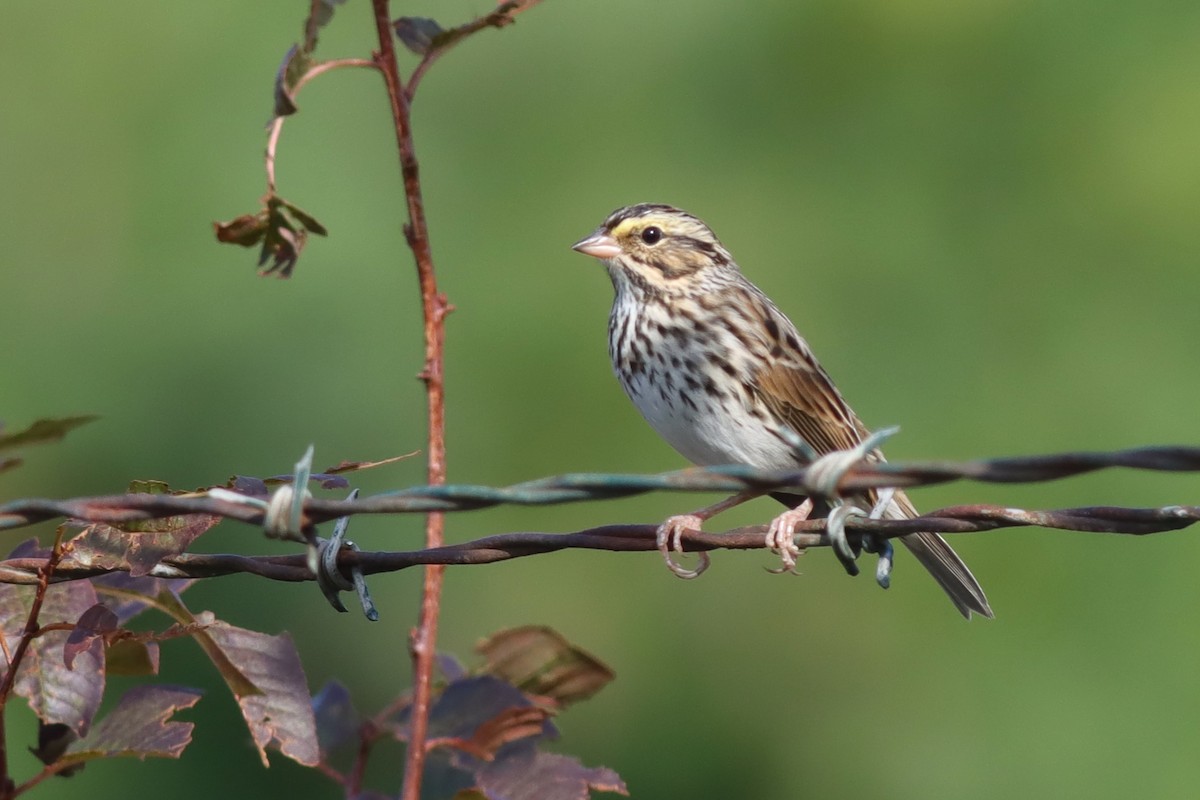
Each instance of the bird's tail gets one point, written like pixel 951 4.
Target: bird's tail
pixel 942 562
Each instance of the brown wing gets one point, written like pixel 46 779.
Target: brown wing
pixel 795 388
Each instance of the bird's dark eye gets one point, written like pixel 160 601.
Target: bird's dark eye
pixel 652 235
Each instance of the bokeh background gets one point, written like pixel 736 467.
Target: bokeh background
pixel 983 215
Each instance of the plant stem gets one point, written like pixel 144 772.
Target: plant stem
pixel 30 632
pixel 423 639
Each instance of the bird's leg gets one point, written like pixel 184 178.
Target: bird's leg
pixel 781 536
pixel 670 533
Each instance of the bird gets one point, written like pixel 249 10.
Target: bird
pixel 723 375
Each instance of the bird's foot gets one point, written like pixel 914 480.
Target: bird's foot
pixel 670 540
pixel 883 567
pixel 847 553
pixel 781 536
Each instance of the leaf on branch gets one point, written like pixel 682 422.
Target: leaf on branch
pixel 196 626
pixel 128 596
pixel 466 705
pixel 319 14
pixel 140 726
pixel 328 479
pixel 533 775
pixel 450 667
pixel 279 714
pixel 336 717
pixel 131 657
pixel 247 485
pixel 325 481
pixel 96 624
pixel 43 431
pixel 40 432
pixel 296 62
pixel 510 725
pixel 418 34
pixel 56 692
pixel 127 547
pixel 538 660
pixel 281 227
pixel 355 466
pixel 495 730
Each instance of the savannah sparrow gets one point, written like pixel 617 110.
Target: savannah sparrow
pixel 721 374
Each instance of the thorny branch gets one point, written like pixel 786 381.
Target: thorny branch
pixel 422 639
pixel 42 577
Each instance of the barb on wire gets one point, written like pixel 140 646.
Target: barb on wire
pixel 577 487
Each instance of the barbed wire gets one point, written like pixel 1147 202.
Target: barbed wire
pixel 579 487
pixel 118 509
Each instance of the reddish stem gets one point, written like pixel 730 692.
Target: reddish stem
pixel 7 790
pixel 422 640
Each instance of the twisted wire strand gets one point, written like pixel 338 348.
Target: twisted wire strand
pixel 116 509
pixel 634 538
pixel 577 487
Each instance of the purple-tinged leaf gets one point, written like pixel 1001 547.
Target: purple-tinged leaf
pixel 337 719
pixel 450 667
pixel 465 705
pixel 529 774
pixel 197 626
pixel 128 596
pixel 55 692
pixel 418 34
pixel 247 485
pixel 280 714
pixel 95 624
pixel 140 726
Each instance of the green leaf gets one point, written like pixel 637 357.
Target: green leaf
pixel 43 431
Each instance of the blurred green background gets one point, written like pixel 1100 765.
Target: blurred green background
pixel 983 215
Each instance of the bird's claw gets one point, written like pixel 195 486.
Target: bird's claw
pixel 670 540
pixel 883 567
pixel 835 529
pixel 781 536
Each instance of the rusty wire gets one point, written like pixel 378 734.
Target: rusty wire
pixel 117 509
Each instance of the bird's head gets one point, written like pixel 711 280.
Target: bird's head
pixel 656 246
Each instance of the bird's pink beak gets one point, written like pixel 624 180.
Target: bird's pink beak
pixel 598 245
